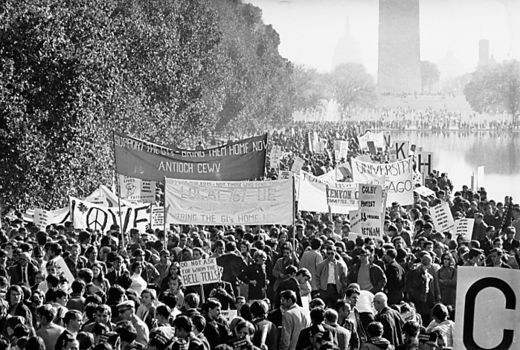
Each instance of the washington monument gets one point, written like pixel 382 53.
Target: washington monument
pixel 399 67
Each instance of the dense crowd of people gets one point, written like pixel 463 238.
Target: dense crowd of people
pixel 307 286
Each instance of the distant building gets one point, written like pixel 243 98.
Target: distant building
pixel 399 66
pixel 347 50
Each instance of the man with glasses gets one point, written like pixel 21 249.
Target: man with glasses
pixel 331 276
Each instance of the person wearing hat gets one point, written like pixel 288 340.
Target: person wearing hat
pixel 24 271
pixel 126 311
pixel 128 336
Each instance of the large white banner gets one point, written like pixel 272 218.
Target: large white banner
pixel 488 311
pixel 229 202
pixel 42 218
pixel 97 217
pixel 342 197
pixel 398 178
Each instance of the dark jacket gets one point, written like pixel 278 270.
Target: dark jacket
pixel 377 277
pixel 16 274
pixel 288 284
pixel 271 340
pixel 392 325
pixel 255 272
pixel 394 282
pixel 217 332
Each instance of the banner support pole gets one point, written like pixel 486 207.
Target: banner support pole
pixel 118 189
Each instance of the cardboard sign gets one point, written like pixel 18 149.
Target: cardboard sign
pixel 275 156
pixel 197 272
pixel 442 218
pixel 464 227
pixel 425 164
pixel 401 149
pixel 343 197
pixel 284 175
pixel 157 218
pixel 488 311
pixel 229 202
pixel 340 150
pixel 136 190
pixel 424 191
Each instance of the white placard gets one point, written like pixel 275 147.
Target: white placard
pixel 197 272
pixel 464 227
pixel 488 312
pixel 442 217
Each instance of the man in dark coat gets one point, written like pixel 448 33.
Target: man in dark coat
pixel 394 277
pixel 390 318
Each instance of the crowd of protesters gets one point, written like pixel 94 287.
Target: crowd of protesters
pixel 311 286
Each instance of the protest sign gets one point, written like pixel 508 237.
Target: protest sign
pixel 275 156
pixel 424 191
pixel 442 218
pixel 377 138
pixel 340 150
pixel 369 222
pixel 425 164
pixel 105 197
pixel 229 202
pixel 398 178
pixel 136 190
pixel 464 228
pixel 42 218
pixel 157 218
pixel 488 313
pixel 285 174
pixel 229 315
pixel 240 160
pixel 312 194
pixel 342 197
pixel 401 149
pixel 298 163
pixel 86 215
pixel 197 272
pixel 63 270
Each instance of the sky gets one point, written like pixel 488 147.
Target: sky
pixel 310 31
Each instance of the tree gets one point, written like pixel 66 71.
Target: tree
pixel 71 72
pixel 496 88
pixel 311 88
pixel 429 76
pixel 352 86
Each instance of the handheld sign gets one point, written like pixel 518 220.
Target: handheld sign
pixel 488 314
pixel 197 272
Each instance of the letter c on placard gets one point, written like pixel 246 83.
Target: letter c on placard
pixel 469 312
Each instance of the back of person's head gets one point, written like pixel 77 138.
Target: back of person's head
pixel 47 311
pixel 440 311
pixel 375 329
pixel 33 343
pixel 317 303
pixel 199 322
pixel 259 308
pixel 192 300
pixel 184 323
pixel 411 329
pixel 317 315
pixel 289 295
pixel 77 286
pixel 315 243
pixel 126 331
pixel 86 340
pixel 163 310
pixel 331 316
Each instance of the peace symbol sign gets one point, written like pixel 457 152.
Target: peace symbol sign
pixel 97 218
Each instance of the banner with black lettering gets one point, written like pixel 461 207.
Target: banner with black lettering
pixel 398 178
pixel 240 160
pixel 442 217
pixel 229 202
pixel 487 307
pixel 87 215
pixel 42 217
